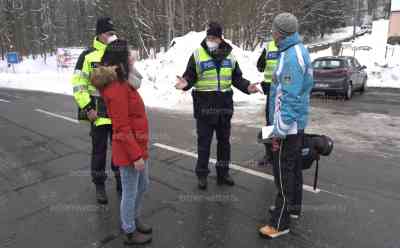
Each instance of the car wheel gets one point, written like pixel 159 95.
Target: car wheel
pixel 348 92
pixel 364 86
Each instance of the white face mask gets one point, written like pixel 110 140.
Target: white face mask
pixel 212 46
pixel 135 78
pixel 112 38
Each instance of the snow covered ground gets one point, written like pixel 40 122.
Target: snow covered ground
pixel 382 72
pixel 36 75
pixel 338 34
pixel 160 73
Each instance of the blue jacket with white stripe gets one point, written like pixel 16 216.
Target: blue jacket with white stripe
pixel 290 92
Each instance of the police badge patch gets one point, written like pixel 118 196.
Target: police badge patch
pixel 273 55
pixel 95 64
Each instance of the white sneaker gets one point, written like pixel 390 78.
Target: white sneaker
pixel 294 216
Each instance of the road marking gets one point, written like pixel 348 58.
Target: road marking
pixel 57 115
pixel 214 161
pixel 336 194
pixel 2 100
pixel 238 168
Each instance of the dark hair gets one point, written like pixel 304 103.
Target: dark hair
pixel 117 53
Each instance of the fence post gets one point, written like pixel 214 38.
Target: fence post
pixel 386 52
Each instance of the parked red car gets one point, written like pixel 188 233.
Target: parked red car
pixel 339 75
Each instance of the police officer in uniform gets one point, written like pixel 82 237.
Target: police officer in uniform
pixel 211 71
pixel 267 63
pixel 92 107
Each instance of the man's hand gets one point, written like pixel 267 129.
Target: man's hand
pixel 253 88
pixel 275 144
pixel 139 165
pixel 181 83
pixel 92 115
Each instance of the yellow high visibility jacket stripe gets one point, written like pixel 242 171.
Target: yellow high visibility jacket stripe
pixel 82 88
pixel 207 74
pixel 271 61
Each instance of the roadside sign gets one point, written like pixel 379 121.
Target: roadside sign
pixel 12 58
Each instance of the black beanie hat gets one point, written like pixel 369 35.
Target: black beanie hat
pixel 214 29
pixel 104 24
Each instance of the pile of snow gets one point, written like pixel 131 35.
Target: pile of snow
pixel 160 73
pixel 33 74
pixel 39 74
pixel 383 61
pixel 337 34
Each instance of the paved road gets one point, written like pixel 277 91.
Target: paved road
pixel 47 199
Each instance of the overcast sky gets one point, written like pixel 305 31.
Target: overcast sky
pixel 395 4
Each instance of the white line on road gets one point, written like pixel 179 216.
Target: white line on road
pixel 238 168
pixel 57 115
pixel 214 161
pixel 2 100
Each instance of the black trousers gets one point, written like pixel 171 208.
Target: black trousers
pixel 288 176
pixel 100 137
pixel 205 132
pixel 266 87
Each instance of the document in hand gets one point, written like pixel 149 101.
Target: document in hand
pixel 267 131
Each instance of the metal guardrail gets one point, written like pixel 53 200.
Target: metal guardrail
pixel 322 46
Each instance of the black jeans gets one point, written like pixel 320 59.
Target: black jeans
pixel 288 176
pixel 100 137
pixel 266 88
pixel 205 132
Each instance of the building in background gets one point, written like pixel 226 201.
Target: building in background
pixel 394 24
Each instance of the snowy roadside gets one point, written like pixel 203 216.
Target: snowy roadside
pixel 382 72
pixel 160 73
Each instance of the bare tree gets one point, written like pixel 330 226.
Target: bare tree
pixel 37 27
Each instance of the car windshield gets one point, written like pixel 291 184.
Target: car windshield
pixel 328 64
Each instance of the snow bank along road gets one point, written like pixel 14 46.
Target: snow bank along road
pixel 47 199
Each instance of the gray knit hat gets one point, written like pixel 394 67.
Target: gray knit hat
pixel 285 23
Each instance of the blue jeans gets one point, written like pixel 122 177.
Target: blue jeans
pixel 134 184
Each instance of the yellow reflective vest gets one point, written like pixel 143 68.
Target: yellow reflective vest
pixel 271 61
pixel 82 88
pixel 208 78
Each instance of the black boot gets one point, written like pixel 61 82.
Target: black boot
pixel 136 238
pixel 227 180
pixel 118 184
pixel 101 195
pixel 202 183
pixel 142 227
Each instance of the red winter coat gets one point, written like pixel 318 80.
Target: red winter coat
pixel 126 109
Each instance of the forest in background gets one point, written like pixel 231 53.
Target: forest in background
pixel 38 27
